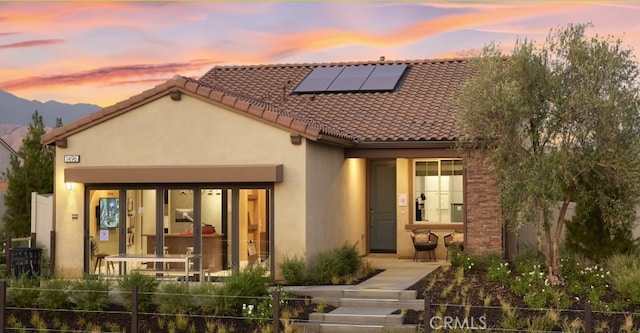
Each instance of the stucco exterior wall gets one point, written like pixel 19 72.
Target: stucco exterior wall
pixel 335 199
pixel 186 132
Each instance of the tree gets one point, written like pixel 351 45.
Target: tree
pixel 30 171
pixel 558 121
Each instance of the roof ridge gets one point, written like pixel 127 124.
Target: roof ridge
pixel 341 63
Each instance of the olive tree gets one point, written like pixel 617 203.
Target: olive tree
pixel 557 121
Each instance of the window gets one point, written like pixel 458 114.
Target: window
pixel 438 190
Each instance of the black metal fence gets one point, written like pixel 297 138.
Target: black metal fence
pixel 135 321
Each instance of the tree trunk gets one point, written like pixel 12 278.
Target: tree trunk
pixel 555 270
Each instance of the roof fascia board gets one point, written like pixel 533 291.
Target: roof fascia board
pixel 402 153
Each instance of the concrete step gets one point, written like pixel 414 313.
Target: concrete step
pixel 345 291
pixel 358 315
pixel 379 294
pixel 346 328
pixel 409 304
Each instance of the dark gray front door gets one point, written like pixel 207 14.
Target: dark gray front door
pixel 382 185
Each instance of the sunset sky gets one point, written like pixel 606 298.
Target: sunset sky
pixel 102 53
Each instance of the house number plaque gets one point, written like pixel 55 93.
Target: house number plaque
pixel 71 158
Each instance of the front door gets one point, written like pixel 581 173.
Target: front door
pixel 382 205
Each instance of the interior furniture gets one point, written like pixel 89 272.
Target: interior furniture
pixel 99 259
pixel 211 255
pixel 454 239
pixel 424 241
pixel 182 259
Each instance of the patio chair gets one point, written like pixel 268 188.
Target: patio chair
pixel 424 241
pixel 454 239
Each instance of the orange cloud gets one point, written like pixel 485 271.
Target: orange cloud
pixel 320 39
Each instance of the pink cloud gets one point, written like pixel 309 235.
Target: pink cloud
pixel 32 43
pixel 106 75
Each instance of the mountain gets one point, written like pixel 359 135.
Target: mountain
pixel 18 111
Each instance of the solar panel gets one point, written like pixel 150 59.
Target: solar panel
pixel 319 79
pixel 351 78
pixel 384 77
pixel 354 78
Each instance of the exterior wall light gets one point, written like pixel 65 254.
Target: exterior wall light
pixel 69 186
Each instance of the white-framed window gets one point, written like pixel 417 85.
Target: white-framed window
pixel 438 190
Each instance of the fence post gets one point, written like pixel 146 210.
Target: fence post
pixel 276 311
pixel 427 313
pixel 3 304
pixel 134 309
pixel 587 318
pixel 32 240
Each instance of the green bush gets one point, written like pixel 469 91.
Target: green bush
pixel 588 234
pixel 54 294
pixel 325 268
pixel 90 294
pixel 349 258
pixel 205 298
pixel 23 291
pixel 625 275
pixel 174 298
pixel 526 258
pixel 499 271
pixel 241 286
pixel 462 259
pixel 294 270
pixel 336 264
pixel 147 285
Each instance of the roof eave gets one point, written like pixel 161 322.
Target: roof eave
pixel 431 144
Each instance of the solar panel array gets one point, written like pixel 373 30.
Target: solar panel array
pixel 355 78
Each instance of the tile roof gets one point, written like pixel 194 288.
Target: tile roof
pixel 416 111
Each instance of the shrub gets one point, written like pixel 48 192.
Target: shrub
pixel 499 271
pixel 349 258
pixel 589 235
pixel 462 259
pixel 90 294
pixel 294 270
pixel 625 275
pixel 54 294
pixel 325 268
pixel 335 265
pixel 240 285
pixel 205 298
pixel 23 291
pixel 526 258
pixel 147 285
pixel 173 298
pixel 260 310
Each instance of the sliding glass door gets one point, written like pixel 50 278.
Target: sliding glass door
pixel 224 226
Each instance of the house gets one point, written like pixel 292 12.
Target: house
pixel 6 151
pixel 253 164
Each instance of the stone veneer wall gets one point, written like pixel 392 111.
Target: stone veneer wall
pixel 483 220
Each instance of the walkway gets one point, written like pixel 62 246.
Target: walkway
pixel 371 306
